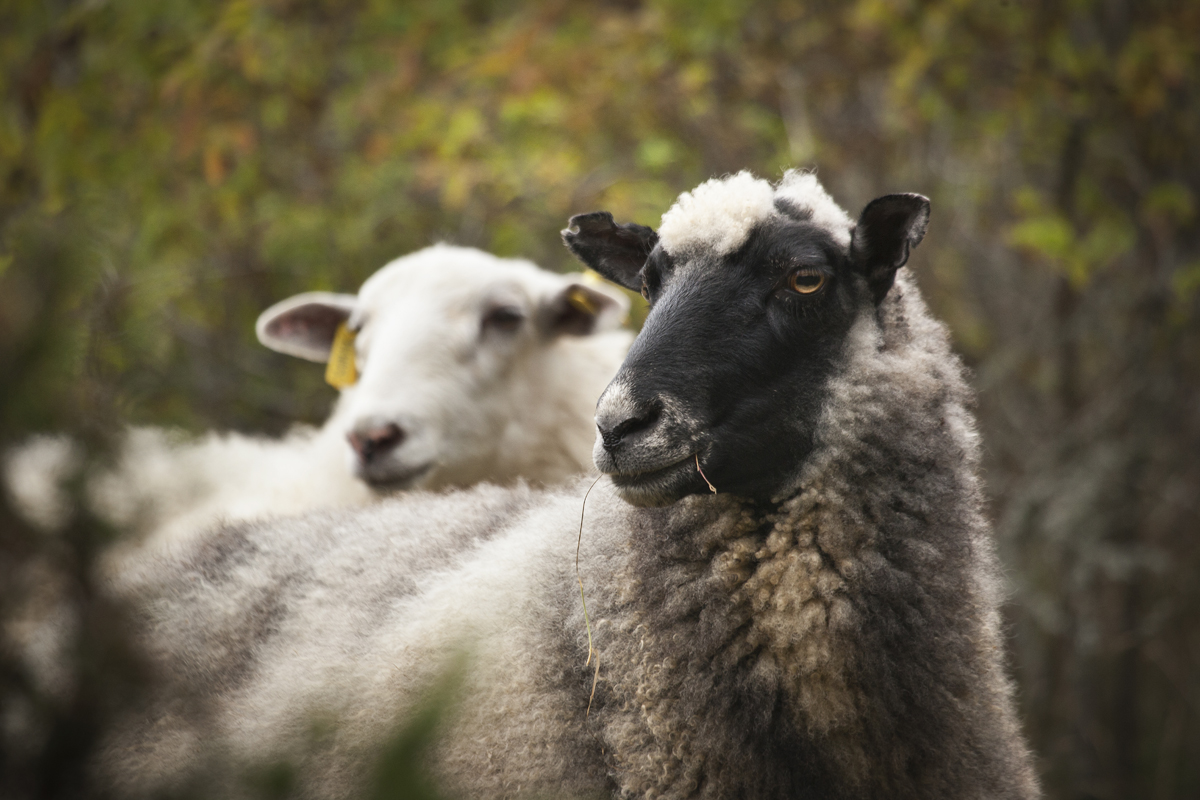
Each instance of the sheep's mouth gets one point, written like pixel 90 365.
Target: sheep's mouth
pixel 656 487
pixel 397 480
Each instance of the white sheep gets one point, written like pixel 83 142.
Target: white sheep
pixel 791 588
pixel 471 368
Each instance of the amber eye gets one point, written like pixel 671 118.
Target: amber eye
pixel 645 291
pixel 806 281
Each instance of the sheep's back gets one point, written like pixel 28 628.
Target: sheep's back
pixel 343 621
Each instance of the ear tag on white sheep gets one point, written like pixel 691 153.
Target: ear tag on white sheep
pixel 582 301
pixel 592 278
pixel 341 372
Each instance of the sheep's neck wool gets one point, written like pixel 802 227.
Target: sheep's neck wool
pixel 719 214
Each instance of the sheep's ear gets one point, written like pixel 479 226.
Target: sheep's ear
pixel 889 227
pixel 617 252
pixel 304 325
pixel 580 310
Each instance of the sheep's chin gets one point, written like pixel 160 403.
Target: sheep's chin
pixel 397 481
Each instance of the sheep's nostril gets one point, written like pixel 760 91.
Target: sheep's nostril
pixel 610 439
pixel 375 442
pixel 387 437
pixel 614 436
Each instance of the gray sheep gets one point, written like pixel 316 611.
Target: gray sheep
pixel 824 625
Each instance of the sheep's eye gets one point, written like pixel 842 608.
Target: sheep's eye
pixel 505 319
pixel 645 291
pixel 806 281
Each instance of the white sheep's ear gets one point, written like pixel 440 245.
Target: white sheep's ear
pixel 304 325
pixel 581 309
pixel 618 252
pixel 890 226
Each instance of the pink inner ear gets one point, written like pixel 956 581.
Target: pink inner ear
pixel 312 325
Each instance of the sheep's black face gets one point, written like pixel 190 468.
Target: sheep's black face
pixel 729 372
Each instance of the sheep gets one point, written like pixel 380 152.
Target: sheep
pixel 473 368
pixel 790 584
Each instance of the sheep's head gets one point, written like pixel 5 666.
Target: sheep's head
pixel 753 290
pixel 444 341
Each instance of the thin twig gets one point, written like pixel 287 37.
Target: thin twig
pixel 702 475
pixel 592 696
pixel 587 624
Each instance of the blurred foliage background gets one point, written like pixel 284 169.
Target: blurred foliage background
pixel 169 169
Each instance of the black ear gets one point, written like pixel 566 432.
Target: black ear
pixel 617 252
pixel 304 325
pixel 889 227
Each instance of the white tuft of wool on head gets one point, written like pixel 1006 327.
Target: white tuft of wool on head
pixel 719 214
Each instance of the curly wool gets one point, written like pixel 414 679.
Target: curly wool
pixel 852 627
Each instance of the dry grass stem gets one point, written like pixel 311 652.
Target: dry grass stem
pixel 586 623
pixel 712 488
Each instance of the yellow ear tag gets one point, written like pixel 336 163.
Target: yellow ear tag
pixel 592 278
pixel 582 301
pixel 340 372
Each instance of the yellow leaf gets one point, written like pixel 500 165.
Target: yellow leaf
pixel 214 166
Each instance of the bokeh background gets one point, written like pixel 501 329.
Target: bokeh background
pixel 169 169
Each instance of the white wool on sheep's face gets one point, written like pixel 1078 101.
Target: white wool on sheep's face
pixel 719 214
